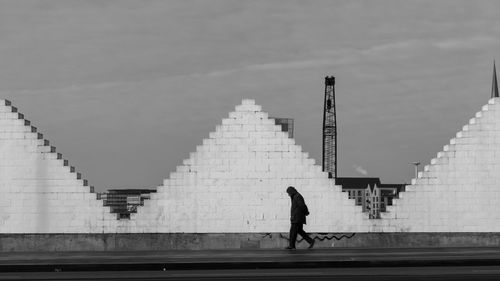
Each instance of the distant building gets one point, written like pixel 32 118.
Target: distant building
pixel 369 193
pixel 125 201
pixel 359 189
pixel 286 125
pixel 388 192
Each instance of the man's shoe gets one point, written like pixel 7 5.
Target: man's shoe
pixel 312 244
pixel 290 248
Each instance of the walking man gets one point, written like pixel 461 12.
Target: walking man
pixel 298 215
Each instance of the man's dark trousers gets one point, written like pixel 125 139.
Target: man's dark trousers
pixel 298 228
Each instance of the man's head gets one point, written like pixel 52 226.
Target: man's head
pixel 291 191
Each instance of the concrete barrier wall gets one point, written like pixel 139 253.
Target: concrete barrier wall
pixel 199 241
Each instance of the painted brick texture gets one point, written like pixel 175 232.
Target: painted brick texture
pixel 236 182
pixel 459 191
pixel 41 193
pixel 236 179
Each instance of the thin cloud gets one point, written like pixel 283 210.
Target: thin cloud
pixel 344 56
pixel 299 64
pixel 466 43
pixel 337 57
pixel 394 46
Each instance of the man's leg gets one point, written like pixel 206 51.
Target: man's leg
pixel 304 235
pixel 293 234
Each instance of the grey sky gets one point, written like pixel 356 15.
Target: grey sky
pixel 126 89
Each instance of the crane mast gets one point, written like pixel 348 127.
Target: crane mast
pixel 330 129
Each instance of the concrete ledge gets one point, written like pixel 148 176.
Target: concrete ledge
pixel 204 241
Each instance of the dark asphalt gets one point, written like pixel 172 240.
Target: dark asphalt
pixel 374 273
pixel 247 259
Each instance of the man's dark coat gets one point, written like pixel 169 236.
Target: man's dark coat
pixel 299 209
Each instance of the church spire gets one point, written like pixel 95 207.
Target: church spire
pixel 494 84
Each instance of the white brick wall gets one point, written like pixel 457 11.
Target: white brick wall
pixel 236 182
pixel 459 191
pixel 236 179
pixel 39 193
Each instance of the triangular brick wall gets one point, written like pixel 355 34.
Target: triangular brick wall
pixel 459 191
pixel 236 182
pixel 40 192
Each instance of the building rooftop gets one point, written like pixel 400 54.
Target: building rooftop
pixel 130 191
pixel 398 187
pixel 357 183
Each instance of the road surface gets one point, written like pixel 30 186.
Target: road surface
pixel 373 273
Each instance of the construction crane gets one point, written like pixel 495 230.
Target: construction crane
pixel 330 129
